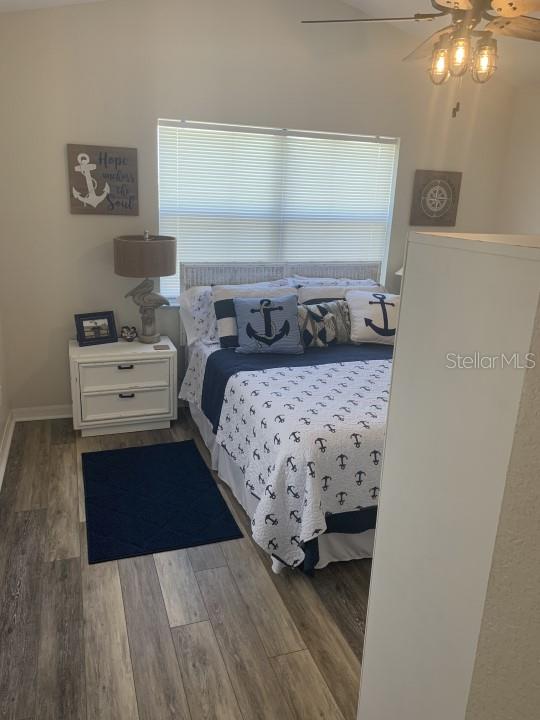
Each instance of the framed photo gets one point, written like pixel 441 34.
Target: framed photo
pixel 96 328
pixel 435 198
pixel 103 180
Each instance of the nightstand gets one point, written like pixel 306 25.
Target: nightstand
pixel 123 387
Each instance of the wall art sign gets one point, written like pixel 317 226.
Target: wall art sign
pixel 103 180
pixel 435 198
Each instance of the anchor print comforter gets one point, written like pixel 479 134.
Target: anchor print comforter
pixel 309 442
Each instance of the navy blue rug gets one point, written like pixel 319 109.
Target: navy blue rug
pixel 145 500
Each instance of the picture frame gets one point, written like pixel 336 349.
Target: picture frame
pixel 96 328
pixel 435 198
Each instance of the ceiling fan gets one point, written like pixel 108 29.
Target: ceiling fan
pixel 451 49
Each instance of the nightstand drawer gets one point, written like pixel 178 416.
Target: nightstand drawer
pixel 123 374
pixel 126 404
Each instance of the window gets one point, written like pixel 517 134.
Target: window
pixel 256 194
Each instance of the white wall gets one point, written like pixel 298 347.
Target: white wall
pixel 104 72
pixel 506 681
pixel 4 402
pixel 520 176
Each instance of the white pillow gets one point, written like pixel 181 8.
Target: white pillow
pixel 374 316
pixel 198 315
pixel 283 282
pixel 321 293
pixel 346 282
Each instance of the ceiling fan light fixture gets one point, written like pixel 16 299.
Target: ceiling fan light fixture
pixel 485 60
pixel 439 71
pixel 460 55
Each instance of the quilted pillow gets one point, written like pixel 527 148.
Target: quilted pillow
pixel 225 311
pixel 268 325
pixel 324 324
pixel 374 316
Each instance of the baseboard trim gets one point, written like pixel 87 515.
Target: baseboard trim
pixel 44 412
pixel 5 444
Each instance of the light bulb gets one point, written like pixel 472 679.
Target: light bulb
pixel 459 56
pixel 439 72
pixel 485 60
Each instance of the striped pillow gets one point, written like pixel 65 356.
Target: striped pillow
pixel 224 306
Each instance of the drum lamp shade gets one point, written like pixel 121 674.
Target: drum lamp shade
pixel 144 256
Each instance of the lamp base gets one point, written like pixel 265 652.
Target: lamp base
pixel 148 300
pixel 149 339
pixel 149 332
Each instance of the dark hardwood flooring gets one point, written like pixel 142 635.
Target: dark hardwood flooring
pixel 208 633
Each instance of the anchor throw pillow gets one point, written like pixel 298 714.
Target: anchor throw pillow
pixel 374 316
pixel 224 296
pixel 268 325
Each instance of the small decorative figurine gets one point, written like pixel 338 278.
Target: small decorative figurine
pixel 128 333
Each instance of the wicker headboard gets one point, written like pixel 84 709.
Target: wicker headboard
pixel 192 274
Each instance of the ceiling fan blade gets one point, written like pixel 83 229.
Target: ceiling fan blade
pixel 426 48
pixel 417 17
pixel 525 28
pixel 515 8
pixel 455 4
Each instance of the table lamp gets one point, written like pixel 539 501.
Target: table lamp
pixel 145 256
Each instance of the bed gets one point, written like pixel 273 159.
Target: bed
pixel 298 439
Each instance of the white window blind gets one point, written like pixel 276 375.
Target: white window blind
pixel 255 194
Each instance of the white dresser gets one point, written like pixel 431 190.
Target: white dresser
pixel 123 387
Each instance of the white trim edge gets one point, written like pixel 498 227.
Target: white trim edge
pixel 44 412
pixel 5 444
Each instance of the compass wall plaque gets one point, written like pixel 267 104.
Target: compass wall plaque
pixel 435 198
pixel 103 180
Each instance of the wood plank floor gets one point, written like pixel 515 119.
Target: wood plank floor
pixel 207 633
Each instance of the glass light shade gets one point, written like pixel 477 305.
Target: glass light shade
pixel 439 72
pixel 460 54
pixel 485 60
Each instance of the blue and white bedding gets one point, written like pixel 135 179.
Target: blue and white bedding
pixel 306 430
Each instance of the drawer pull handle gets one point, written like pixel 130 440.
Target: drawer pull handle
pixel 125 396
pixel 125 367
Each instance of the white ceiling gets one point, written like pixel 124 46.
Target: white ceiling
pixel 13 5
pixel 519 60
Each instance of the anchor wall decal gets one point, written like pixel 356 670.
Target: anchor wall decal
pixel 386 331
pixel 85 167
pixel 271 334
